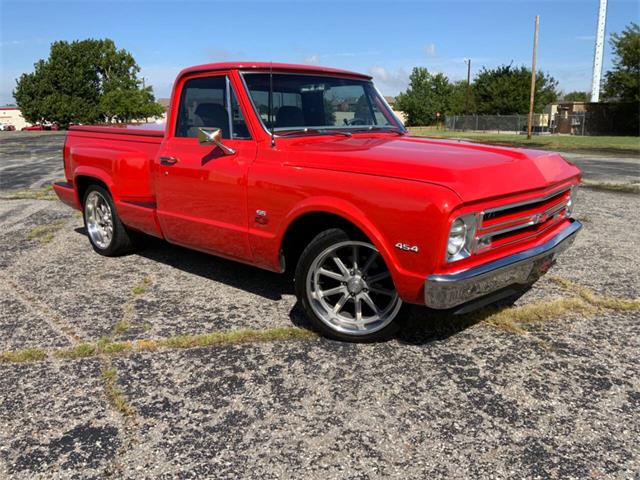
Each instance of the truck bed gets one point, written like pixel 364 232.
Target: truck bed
pixel 122 157
pixel 144 129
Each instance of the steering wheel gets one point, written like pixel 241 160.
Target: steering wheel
pixel 355 121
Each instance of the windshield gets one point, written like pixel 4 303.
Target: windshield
pixel 319 102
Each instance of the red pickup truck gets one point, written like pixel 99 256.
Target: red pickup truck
pixel 306 169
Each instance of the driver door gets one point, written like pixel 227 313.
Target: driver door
pixel 201 190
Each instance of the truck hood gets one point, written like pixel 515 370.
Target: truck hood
pixel 473 171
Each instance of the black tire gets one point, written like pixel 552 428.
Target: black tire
pixel 313 251
pixel 121 240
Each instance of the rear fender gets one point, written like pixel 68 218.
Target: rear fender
pixel 97 173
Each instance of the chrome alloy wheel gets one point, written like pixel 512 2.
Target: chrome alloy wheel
pixel 99 219
pixel 350 289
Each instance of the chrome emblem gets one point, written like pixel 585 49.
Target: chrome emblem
pixel 406 247
pixel 540 218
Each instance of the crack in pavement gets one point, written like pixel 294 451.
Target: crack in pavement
pixel 53 319
pixel 127 414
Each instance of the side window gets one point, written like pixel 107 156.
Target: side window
pixel 239 126
pixel 205 103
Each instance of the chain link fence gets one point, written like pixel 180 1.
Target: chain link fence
pixel 495 123
pixel 583 123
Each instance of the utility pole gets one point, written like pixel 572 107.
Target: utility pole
pixel 597 54
pixel 146 119
pixel 533 77
pixel 466 102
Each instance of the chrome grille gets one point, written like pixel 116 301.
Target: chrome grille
pixel 521 221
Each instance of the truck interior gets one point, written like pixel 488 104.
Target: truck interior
pixel 210 102
pixel 309 101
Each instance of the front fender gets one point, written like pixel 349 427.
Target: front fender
pixel 388 210
pixel 390 225
pixel 351 213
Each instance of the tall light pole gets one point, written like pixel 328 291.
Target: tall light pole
pixel 597 54
pixel 533 77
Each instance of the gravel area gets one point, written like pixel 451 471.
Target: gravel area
pixel 469 401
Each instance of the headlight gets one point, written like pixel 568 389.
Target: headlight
pixel 461 237
pixel 457 236
pixel 571 203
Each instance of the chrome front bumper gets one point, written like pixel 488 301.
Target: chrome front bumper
pixel 448 291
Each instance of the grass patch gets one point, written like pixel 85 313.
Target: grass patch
pixel 235 336
pixel 42 193
pixel 141 287
pixel 45 233
pixel 121 326
pixel 147 345
pixel 599 301
pixel 107 346
pixel 545 142
pixel 114 395
pixel 517 319
pixel 82 350
pixel 21 356
pixel 583 300
pixel 630 187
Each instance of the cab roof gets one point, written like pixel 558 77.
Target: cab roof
pixel 262 66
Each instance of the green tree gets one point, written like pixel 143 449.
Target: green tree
pixel 576 97
pixel 505 90
pixel 124 105
pixel 427 95
pixel 84 81
pixel 458 99
pixel 623 81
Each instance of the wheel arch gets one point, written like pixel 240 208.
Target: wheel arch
pixel 309 220
pixel 83 179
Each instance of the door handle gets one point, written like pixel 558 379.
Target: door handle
pixel 168 161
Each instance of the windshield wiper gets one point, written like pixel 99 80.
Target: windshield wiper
pixel 313 131
pixel 381 128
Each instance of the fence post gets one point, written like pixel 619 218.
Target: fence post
pixel 476 115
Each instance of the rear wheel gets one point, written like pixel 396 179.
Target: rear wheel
pixel 107 234
pixel 346 289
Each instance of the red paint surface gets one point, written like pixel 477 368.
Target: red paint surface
pixel 394 188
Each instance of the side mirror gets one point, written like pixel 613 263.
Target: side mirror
pixel 213 136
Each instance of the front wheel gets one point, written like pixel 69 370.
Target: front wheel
pixel 346 289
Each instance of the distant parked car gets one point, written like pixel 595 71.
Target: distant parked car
pixel 5 127
pixel 40 127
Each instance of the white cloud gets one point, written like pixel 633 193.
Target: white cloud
pixel 390 82
pixel 26 41
pixel 312 59
pixel 430 49
pixel 11 42
pixel 325 58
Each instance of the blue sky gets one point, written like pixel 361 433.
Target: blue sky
pixel 384 38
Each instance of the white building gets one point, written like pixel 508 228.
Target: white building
pixel 13 116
